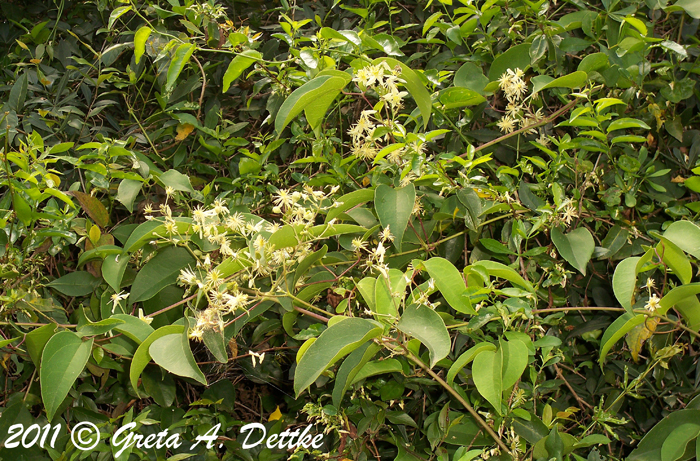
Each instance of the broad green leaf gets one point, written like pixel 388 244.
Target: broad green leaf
pixel 140 38
pixel 576 247
pixel 472 77
pixel 160 387
pixel 306 95
pixel 116 14
pixel 63 359
pixel 334 343
pixel 394 208
pixel 93 207
pixel 650 447
pixel 176 180
pixel 113 268
pixel 415 87
pixel 675 444
pixel 514 357
pixel 78 283
pixel 367 287
pixel 160 272
pixel 456 97
pixel 685 235
pixel 465 358
pixel 692 7
pixel 98 328
pixel 590 440
pixel 179 61
pixel 215 342
pixel 496 269
pixel 625 123
pixel 674 258
pixel 426 325
pixel 317 111
pixel 450 283
pixel 625 282
pixel 386 305
pixel 98 253
pixel 470 199
pixel 133 327
pixel 377 367
pixel 574 80
pixel 18 93
pixel 173 353
pixel 349 201
pixel 517 57
pixel 142 356
pixel 239 64
pixel 349 369
pixel 22 209
pixel 308 262
pixel 36 341
pixel 593 62
pixel 127 192
pixel 487 376
pixel 619 328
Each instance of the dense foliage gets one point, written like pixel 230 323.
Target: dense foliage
pixel 439 230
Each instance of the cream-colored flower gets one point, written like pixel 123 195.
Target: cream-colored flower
pixel 506 124
pixel 653 304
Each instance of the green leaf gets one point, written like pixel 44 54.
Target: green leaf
pixel 173 353
pixel 113 269
pixel 160 386
pixel 127 192
pixel 626 123
pixel 78 283
pixel 625 282
pixel 619 328
pixel 487 376
pixel 367 288
pixel 142 356
pixel 176 180
pixel 178 62
pixel 334 343
pixel 349 369
pixel 18 93
pixel 394 208
pixel 692 7
pixel 377 367
pixel 215 342
pixel 472 77
pixel 385 304
pixel 22 209
pixel 426 326
pixel 116 14
pixel 140 38
pixel 514 357
pixel 496 269
pixel 315 112
pixel 685 235
pixel 239 64
pixel 517 57
pixel 675 444
pixel 160 272
pixel 573 80
pixel 349 201
pixel 36 341
pixel 306 95
pixel 470 199
pixel 63 359
pixel 674 258
pixel 456 97
pixel 415 87
pixel 593 62
pixel 465 358
pixel 93 207
pixel 133 327
pixel 450 283
pixel 650 447
pixel 576 247
pixel 308 262
pixel 98 328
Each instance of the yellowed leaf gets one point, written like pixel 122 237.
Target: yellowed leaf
pixel 183 130
pixel 635 339
pixel 277 414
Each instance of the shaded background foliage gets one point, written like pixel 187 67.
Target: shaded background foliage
pixel 94 131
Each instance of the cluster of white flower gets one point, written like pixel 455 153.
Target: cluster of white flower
pixel 382 79
pixel 517 111
pixel 301 207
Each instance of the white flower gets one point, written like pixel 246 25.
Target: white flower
pixel 653 304
pixel 260 356
pixel 148 320
pixel 116 298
